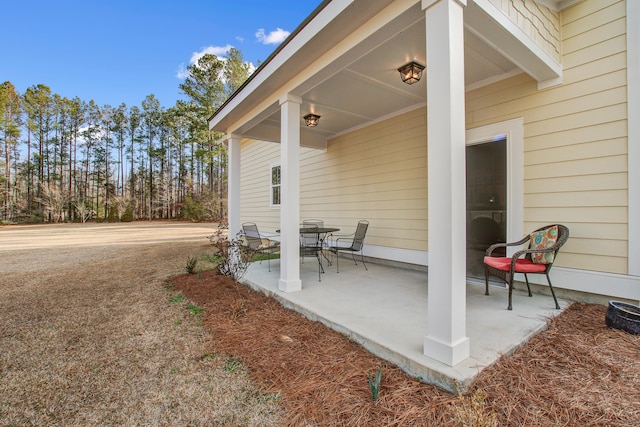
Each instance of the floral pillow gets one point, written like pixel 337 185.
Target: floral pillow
pixel 541 240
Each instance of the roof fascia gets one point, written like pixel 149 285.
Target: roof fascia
pixel 490 24
pixel 306 31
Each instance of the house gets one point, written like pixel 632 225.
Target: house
pixel 541 97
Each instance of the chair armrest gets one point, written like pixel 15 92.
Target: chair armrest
pixel 495 246
pixel 524 252
pixel 269 235
pixel 345 238
pixel 334 238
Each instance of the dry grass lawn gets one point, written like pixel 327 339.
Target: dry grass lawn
pixel 90 336
pixel 93 332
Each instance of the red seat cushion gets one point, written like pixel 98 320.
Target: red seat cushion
pixel 523 265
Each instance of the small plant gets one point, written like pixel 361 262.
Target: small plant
pixel 232 256
pixel 177 298
pixel 237 309
pixel 232 364
pixel 206 356
pixel 374 384
pixel 472 410
pixel 191 265
pixel 194 309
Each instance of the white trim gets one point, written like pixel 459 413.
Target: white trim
pixel 320 21
pixel 233 184
pixel 271 166
pixel 381 119
pixel 290 195
pixel 633 135
pixel 557 81
pixel 513 130
pixel 493 79
pixel 594 282
pixel 558 5
pixel 496 28
pixel 408 256
pixel 446 340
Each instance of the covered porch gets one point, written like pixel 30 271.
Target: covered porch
pixel 384 309
pixel 342 64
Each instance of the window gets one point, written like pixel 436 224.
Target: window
pixel 275 186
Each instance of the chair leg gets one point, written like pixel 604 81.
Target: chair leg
pixel 526 279
pixel 486 281
pixel 362 258
pixel 510 284
pixel 552 292
pixel 320 267
pixel 337 262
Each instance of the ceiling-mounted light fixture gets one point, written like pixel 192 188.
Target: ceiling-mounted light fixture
pixel 311 120
pixel 411 72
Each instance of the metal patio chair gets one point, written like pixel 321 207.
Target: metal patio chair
pixel 351 243
pixel 538 257
pixel 259 244
pixel 311 245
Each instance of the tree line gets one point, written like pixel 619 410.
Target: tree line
pixel 67 159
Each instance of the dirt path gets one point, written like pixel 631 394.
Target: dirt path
pixel 90 336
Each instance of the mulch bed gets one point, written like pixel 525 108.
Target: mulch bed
pixel 577 372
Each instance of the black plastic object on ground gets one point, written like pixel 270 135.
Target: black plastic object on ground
pixel 626 317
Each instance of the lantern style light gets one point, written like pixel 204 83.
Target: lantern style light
pixel 311 120
pixel 411 72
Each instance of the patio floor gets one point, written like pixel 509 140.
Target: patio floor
pixel 385 310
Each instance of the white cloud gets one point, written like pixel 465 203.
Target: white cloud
pixel 218 51
pixel 274 37
pixel 182 72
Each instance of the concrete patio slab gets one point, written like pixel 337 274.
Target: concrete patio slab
pixel 384 309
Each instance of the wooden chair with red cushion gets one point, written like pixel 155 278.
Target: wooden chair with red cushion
pixel 537 258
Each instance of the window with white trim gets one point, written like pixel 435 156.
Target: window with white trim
pixel 275 186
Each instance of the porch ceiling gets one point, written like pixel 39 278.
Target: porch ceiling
pixel 363 84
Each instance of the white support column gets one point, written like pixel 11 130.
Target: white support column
pixel 290 202
pixel 446 339
pixel 233 185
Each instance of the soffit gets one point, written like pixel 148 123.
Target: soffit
pixel 363 84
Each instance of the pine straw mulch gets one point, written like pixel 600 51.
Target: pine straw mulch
pixel 576 373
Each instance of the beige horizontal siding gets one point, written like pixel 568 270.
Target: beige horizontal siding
pixel 604 198
pixel 377 173
pixel 575 169
pixel 609 181
pixel 590 17
pixel 613 132
pixel 575 160
pixel 255 178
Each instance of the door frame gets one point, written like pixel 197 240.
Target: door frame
pixel 513 131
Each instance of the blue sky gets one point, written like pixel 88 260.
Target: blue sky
pixel 115 51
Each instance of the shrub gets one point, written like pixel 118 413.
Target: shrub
pixel 193 210
pixel 127 216
pixel 191 265
pixel 113 213
pixel 231 256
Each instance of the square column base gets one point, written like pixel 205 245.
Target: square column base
pixel 449 354
pixel 289 285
